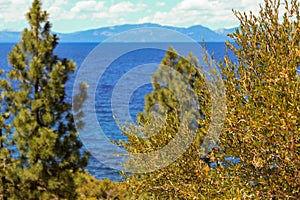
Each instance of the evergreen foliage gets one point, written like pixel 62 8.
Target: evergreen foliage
pixel 48 150
pixel 257 155
pixel 6 160
pixel 176 180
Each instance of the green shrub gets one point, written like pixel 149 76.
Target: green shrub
pixel 261 129
pixel 262 126
pixel 90 188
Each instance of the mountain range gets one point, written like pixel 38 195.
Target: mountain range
pixel 197 33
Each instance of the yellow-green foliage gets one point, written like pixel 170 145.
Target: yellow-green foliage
pixel 262 124
pixel 262 127
pixel 91 189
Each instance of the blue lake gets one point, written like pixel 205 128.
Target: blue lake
pixel 78 52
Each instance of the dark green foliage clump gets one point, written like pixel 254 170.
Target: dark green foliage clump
pixel 42 130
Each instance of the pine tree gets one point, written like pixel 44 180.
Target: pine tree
pixel 49 150
pixel 5 152
pixel 173 181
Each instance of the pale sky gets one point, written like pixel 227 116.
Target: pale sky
pixel 75 15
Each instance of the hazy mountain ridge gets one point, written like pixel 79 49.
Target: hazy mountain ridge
pixel 197 33
pixel 225 31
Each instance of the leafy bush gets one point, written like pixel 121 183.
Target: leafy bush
pixel 258 154
pixel 91 189
pixel 262 127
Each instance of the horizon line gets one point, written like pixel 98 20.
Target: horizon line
pixel 128 24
